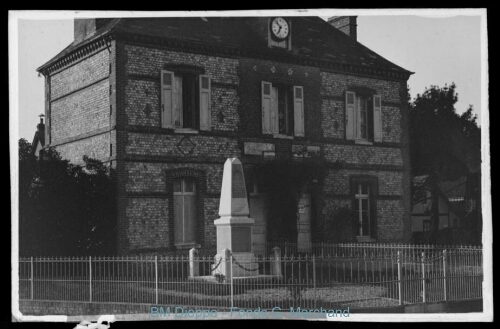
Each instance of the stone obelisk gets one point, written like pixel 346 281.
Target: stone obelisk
pixel 234 227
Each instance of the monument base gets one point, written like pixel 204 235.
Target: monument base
pixel 243 265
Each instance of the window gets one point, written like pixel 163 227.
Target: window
pixel 363 117
pixel 185 101
pixel 282 109
pixel 362 208
pixel 184 212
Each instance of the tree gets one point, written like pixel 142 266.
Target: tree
pixel 443 144
pixel 64 209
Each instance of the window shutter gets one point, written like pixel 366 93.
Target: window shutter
pixel 274 111
pixel 349 115
pixel 205 108
pixel 266 107
pixel 377 118
pixel 177 101
pixel 167 79
pixel 298 110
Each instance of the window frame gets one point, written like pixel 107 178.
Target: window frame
pixel 198 97
pixel 193 197
pixel 293 109
pixel 372 113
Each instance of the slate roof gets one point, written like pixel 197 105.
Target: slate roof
pixel 312 37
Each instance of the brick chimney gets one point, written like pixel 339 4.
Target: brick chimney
pixel 346 24
pixel 86 27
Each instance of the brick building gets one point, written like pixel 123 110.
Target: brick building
pixel 167 100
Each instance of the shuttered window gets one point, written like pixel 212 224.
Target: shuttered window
pixel 185 101
pixel 282 109
pixel 298 110
pixel 167 79
pixel 363 117
pixel 205 113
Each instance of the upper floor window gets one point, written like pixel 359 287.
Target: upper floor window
pixel 185 101
pixel 282 109
pixel 363 117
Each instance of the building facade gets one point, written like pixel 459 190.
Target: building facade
pixel 319 122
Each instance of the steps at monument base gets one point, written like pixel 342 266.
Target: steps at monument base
pixel 365 239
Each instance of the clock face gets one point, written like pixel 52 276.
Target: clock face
pixel 279 28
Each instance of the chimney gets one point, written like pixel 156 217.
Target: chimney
pixel 346 24
pixel 41 130
pixel 86 27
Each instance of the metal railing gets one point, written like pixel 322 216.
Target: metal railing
pixel 277 281
pixel 359 249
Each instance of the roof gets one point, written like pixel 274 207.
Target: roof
pixel 454 189
pixel 312 38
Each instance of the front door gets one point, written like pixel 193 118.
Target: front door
pixel 258 211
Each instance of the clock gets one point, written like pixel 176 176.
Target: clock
pixel 279 28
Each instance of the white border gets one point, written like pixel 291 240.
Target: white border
pixel 487 314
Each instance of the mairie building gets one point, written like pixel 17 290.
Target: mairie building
pixel 319 122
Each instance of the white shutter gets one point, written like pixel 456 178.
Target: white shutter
pixel 377 118
pixel 350 125
pixel 298 110
pixel 274 111
pixel 177 101
pixel 266 107
pixel 167 79
pixel 205 111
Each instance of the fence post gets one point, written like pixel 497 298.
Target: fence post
pixel 232 282
pixel 90 278
pixel 156 279
pixel 444 277
pixel 31 278
pixel 276 268
pixel 399 279
pixel 423 277
pixel 314 279
pixel 194 268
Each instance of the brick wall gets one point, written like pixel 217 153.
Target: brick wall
pixel 333 87
pixel 96 147
pixel 81 112
pixel 252 72
pixel 79 108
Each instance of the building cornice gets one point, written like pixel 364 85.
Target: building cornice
pixel 226 51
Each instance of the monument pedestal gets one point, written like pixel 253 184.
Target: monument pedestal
pixel 234 233
pixel 234 227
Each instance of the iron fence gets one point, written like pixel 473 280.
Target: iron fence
pixel 368 280
pixel 360 249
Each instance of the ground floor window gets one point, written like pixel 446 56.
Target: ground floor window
pixel 362 208
pixel 184 211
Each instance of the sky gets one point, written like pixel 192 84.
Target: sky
pixel 439 49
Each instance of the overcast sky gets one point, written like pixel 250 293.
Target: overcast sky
pixel 439 50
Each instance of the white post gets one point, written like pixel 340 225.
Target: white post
pixel 194 269
pixel 227 263
pixel 156 278
pixel 90 278
pixel 276 269
pixel 231 271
